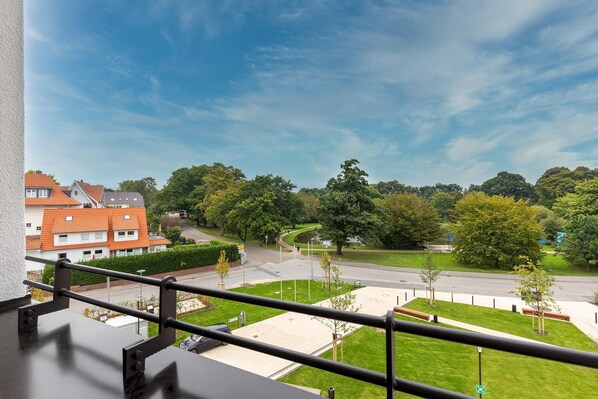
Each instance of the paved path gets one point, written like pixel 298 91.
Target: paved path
pixel 304 334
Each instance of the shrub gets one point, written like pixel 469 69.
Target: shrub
pixel 596 297
pixel 179 258
pixel 48 275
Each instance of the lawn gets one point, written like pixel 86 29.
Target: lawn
pixel 453 366
pixel 224 309
pixel 555 264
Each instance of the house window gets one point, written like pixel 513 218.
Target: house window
pixel 62 237
pixel 99 236
pixel 86 254
pixel 42 193
pixel 30 193
pixel 127 216
pixel 68 218
pixel 98 252
pixel 39 228
pixel 27 224
pixel 121 234
pixel 130 233
pixel 111 199
pixel 62 255
pixel 134 199
pixel 84 236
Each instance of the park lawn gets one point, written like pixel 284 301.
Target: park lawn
pixel 559 332
pixel 555 264
pixel 224 309
pixel 450 366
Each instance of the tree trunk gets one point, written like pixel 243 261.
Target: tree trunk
pixel 587 266
pixel 339 248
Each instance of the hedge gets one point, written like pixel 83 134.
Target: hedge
pixel 177 258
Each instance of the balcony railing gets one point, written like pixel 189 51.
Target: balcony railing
pixel 134 356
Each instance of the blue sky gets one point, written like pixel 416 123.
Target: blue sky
pixel 417 91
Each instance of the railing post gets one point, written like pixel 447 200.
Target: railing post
pixel 28 315
pixel 134 355
pixel 390 355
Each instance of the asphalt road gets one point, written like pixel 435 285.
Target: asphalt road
pixel 267 265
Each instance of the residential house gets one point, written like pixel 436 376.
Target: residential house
pixel 90 195
pixel 41 192
pixel 122 200
pixel 91 233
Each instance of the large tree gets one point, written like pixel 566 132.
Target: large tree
pixel 495 232
pixel 407 221
pixel 145 186
pixel 508 185
pixel 347 210
pixel 581 245
pixel 310 202
pixel 263 207
pixel 394 187
pixel 584 201
pixel 444 203
pixel 560 181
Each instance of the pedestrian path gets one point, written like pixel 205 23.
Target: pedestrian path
pixel 304 334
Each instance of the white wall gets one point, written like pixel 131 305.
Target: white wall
pixel 75 238
pixel 78 194
pixel 12 220
pixel 127 237
pixel 75 255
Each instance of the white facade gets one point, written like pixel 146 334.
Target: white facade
pixel 157 248
pixel 80 238
pixel 73 254
pixel 12 152
pixel 126 235
pixel 34 214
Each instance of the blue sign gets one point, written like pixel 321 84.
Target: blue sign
pixel 560 236
pixel 543 241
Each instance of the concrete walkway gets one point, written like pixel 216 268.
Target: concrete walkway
pixel 304 334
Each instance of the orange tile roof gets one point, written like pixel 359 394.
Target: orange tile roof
pixel 33 244
pixel 57 197
pixel 120 223
pixel 93 217
pixel 159 241
pixel 93 191
pixel 80 223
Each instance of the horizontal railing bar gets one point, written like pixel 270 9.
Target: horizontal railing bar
pixel 103 272
pixel 542 351
pixel 358 373
pixel 41 286
pixel 117 308
pixel 312 310
pixel 41 260
pixel 365 375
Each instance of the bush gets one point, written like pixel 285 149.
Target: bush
pixel 48 275
pixel 596 297
pixel 179 258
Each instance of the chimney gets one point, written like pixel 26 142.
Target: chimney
pixel 38 172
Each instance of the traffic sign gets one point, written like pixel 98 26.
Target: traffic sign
pixel 481 389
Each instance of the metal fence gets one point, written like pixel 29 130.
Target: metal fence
pixel 134 356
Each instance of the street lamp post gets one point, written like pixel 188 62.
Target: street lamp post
pixel 139 297
pixel 480 366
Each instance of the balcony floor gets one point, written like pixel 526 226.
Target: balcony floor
pixel 71 356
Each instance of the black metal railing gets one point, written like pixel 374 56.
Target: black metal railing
pixel 134 356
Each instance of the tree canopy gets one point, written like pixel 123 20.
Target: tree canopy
pixel 407 221
pixel 494 232
pixel 508 185
pixel 145 186
pixel 347 210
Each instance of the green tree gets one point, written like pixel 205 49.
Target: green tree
pixel 535 288
pixel 347 209
pixel 311 202
pixel 429 275
pixel 584 201
pixel 495 232
pixel 145 186
pixel 263 207
pixel 443 203
pixel 581 246
pixel 428 191
pixel 394 187
pixel 560 181
pixel 508 185
pixel 408 221
pixel 173 234
pixel 338 301
pixel 222 268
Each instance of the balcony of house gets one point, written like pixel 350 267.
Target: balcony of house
pixel 49 351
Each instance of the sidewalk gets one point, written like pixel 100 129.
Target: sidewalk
pixel 302 333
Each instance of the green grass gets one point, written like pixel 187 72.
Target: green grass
pixel 554 264
pixel 559 332
pixel 451 366
pixel 224 310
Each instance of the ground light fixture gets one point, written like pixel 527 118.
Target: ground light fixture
pixel 139 297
